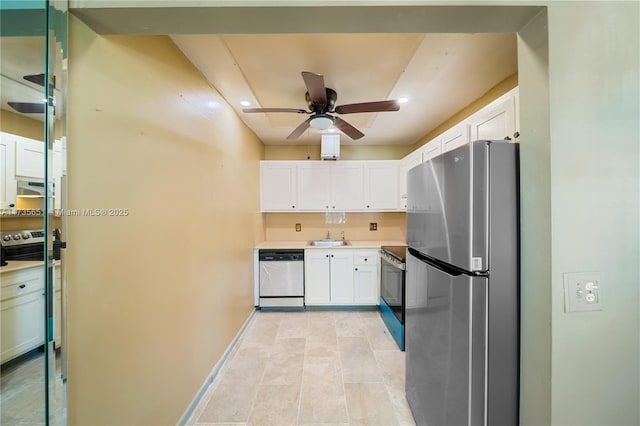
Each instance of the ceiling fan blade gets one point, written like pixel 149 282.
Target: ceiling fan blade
pixel 315 87
pixel 35 78
pixel 27 107
pixel 300 129
pixel 297 111
pixel 379 106
pixel 347 129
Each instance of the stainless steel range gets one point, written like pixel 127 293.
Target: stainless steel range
pixel 23 245
pixel 27 245
pixel 392 290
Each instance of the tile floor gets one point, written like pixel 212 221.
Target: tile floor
pixel 22 392
pixel 310 368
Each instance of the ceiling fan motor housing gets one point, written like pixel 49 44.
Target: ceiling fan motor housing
pixel 332 96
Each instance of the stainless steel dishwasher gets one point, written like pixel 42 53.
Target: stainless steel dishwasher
pixel 281 278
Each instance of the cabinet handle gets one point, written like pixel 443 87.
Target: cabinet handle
pixel 293 207
pixel 365 259
pixel 516 135
pixel 334 207
pixel 22 285
pixel 327 206
pixel 367 205
pixel 331 255
pixel 326 255
pixel 12 205
pixel 356 269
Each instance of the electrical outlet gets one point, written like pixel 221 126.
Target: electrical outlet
pixel 373 226
pixel 298 227
pixel 582 291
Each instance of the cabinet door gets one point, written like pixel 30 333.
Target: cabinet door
pixel 381 185
pixel 366 285
pixel 314 183
pixel 29 158
pixel 22 324
pixel 7 172
pixel 341 277
pixel 454 137
pixel 432 149
pixel 347 186
pixel 406 164
pixel 316 277
pixel 495 121
pixel 278 186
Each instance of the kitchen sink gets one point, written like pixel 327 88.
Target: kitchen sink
pixel 328 243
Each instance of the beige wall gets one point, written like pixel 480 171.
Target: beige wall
pixel 18 124
pixel 281 226
pixel 155 297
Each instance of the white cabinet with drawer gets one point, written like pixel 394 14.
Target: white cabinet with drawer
pixel 366 278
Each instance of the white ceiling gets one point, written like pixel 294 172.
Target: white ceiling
pixel 439 73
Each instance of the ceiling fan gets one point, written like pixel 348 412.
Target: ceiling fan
pixel 321 101
pixel 32 107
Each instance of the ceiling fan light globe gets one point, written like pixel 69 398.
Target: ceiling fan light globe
pixel 321 123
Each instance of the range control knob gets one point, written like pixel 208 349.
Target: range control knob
pixel 26 235
pixel 7 237
pixel 17 237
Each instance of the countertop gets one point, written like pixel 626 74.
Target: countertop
pixel 305 245
pixel 17 265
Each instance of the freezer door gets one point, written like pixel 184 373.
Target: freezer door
pixel 447 211
pixel 445 346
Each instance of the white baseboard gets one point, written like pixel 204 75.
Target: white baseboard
pixel 186 416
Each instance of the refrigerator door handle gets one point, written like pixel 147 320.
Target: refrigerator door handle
pixel 447 268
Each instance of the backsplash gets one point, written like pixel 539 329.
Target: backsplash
pixel 282 226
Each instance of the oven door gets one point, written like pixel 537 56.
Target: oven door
pixel 392 287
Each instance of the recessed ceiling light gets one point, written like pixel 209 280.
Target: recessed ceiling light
pixel 403 100
pixel 245 103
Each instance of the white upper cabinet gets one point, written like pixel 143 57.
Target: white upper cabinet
pixel 495 121
pixel 7 172
pixel 321 186
pixel 29 158
pixel 278 184
pixel 314 186
pixel 456 136
pixel 347 186
pixel 381 185
pixel 406 164
pixel 431 149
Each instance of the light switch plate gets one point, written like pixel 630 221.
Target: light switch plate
pixel 582 291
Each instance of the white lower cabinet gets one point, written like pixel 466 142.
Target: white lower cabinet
pixel 341 277
pixel 317 276
pixel 341 281
pixel 22 312
pixel 366 278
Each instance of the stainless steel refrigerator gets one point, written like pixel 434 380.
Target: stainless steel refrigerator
pixel 462 287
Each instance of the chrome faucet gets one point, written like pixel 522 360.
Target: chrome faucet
pixel 328 235
pixel 342 235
